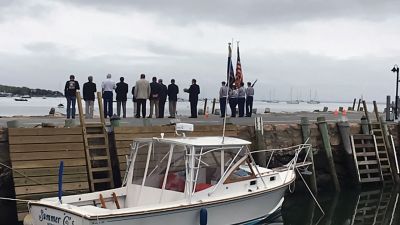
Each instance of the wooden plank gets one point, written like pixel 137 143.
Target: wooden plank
pixel 365 171
pixel 171 129
pixel 37 172
pixel 49 188
pixel 369 162
pixel 47 163
pixel 47 155
pixel 45 131
pixel 365 145
pixel 47 147
pixel 366 154
pixel 152 129
pixel 45 139
pixel 131 136
pixel 362 136
pixel 67 178
pixel 367 180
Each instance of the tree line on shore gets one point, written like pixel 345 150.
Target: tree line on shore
pixel 35 92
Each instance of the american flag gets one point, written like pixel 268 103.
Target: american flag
pixel 230 74
pixel 239 73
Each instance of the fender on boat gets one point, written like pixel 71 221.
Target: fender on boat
pixel 203 216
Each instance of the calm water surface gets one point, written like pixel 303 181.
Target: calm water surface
pixel 370 207
pixel 41 106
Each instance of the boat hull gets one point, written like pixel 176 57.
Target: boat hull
pixel 245 210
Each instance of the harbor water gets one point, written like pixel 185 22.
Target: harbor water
pixel 38 106
pixel 368 207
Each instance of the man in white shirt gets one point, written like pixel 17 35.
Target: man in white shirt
pixel 108 87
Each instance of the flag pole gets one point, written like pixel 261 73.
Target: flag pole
pixel 227 95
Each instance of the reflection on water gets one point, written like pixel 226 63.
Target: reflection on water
pixel 369 207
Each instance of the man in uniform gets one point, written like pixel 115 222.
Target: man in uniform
pixel 249 99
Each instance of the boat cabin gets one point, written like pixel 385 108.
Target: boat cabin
pixel 172 169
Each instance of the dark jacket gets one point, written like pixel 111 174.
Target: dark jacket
pixel 194 92
pixel 70 88
pixel 163 92
pixel 155 89
pixel 173 91
pixel 122 91
pixel 89 88
pixel 133 94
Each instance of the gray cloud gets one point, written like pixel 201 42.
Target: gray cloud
pixel 332 79
pixel 17 9
pixel 252 12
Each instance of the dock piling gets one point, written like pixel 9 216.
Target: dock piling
pixel 323 128
pixel 306 133
pixel 344 131
pixel 260 142
pixel 205 106
pixel 213 106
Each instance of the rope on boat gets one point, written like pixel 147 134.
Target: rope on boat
pixel 309 190
pixel 16 199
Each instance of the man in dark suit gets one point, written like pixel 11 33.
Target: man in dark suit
pixel 173 91
pixel 163 98
pixel 194 92
pixel 122 91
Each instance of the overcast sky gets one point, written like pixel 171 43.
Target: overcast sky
pixel 340 49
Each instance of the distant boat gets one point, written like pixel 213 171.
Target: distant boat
pixel 26 96
pixel 20 99
pixel 270 97
pixel 291 98
pixel 60 106
pixel 313 101
pixel 293 102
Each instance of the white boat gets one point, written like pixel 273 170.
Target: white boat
pixel 20 99
pixel 180 181
pixel 313 101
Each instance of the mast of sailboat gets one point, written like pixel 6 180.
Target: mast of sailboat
pixel 227 84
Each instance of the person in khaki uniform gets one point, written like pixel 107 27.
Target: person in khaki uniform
pixel 142 93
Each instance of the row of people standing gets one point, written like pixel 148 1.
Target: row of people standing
pixel 156 93
pixel 89 89
pixel 236 96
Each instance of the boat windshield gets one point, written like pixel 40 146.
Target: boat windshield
pixel 187 168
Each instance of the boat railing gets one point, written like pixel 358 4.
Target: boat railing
pixel 297 149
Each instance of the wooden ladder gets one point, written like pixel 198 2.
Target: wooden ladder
pixel 376 130
pixel 365 210
pixel 382 208
pixel 95 139
pixel 366 158
pixel 383 156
